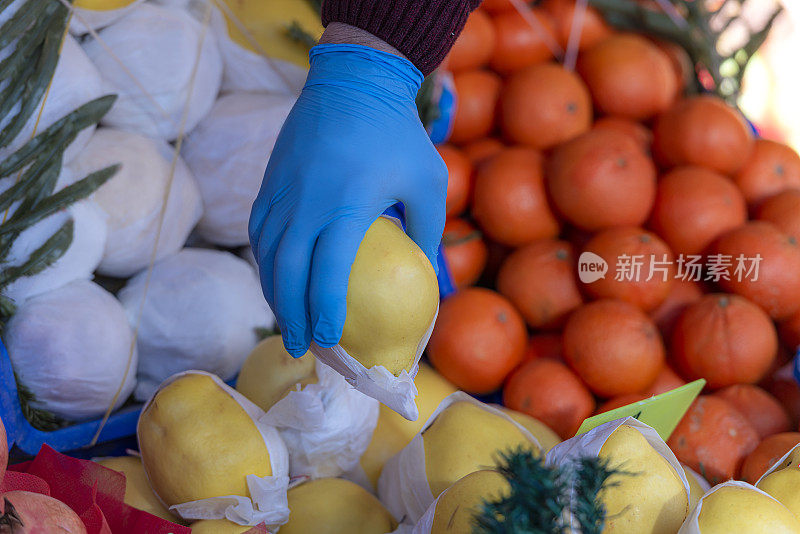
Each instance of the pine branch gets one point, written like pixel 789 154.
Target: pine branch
pixel 543 498
pixel 592 475
pixel 535 502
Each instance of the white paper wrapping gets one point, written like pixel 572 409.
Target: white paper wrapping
pixel 691 525
pixel 774 466
pixel 75 82
pixel 590 443
pixel 134 197
pixel 228 154
pixel 79 260
pixel 403 485
pixel 201 311
pixel 245 70
pixel 85 19
pixel 148 58
pixel 326 426
pixel 71 348
pixel 268 502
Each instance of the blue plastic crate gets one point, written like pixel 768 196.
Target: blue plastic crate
pixel 29 440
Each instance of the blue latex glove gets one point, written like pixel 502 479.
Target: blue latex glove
pixel 352 146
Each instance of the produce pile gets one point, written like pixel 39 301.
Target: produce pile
pixel 612 235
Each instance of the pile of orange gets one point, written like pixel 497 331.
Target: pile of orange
pixel 614 161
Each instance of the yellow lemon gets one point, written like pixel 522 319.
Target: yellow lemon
pixel 197 442
pixel 465 438
pixel 740 510
pixel 335 506
pixel 546 437
pixel 269 373
pixel 266 23
pixel 217 526
pixel 457 507
pixel 784 482
pixel 651 498
pixel 392 298
pixel 393 431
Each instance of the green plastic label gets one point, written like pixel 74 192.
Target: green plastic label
pixel 662 412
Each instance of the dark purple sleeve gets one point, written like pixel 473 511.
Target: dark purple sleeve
pixel 423 30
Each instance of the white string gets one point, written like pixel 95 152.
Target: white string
pixel 546 37
pixel 575 30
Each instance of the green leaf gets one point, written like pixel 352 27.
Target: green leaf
pixel 39 418
pixel 42 257
pixel 77 191
pixel 82 117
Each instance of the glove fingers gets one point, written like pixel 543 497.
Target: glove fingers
pixel 425 224
pixel 264 249
pixel 292 267
pixel 425 210
pixel 333 257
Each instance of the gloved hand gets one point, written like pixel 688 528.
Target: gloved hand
pixel 352 146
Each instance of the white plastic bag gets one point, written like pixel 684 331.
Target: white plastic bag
pixel 201 311
pixel 228 153
pixel 326 426
pixel 134 196
pixel 590 443
pixel 268 502
pixel 403 485
pixel 71 348
pixel 148 57
pixel 95 15
pixel 75 82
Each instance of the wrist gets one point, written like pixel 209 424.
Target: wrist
pixel 341 33
pixel 365 69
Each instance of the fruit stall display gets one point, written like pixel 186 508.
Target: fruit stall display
pixel 616 229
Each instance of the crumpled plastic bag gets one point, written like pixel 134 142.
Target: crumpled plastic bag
pixel 149 60
pixel 71 347
pixel 201 311
pixel 326 426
